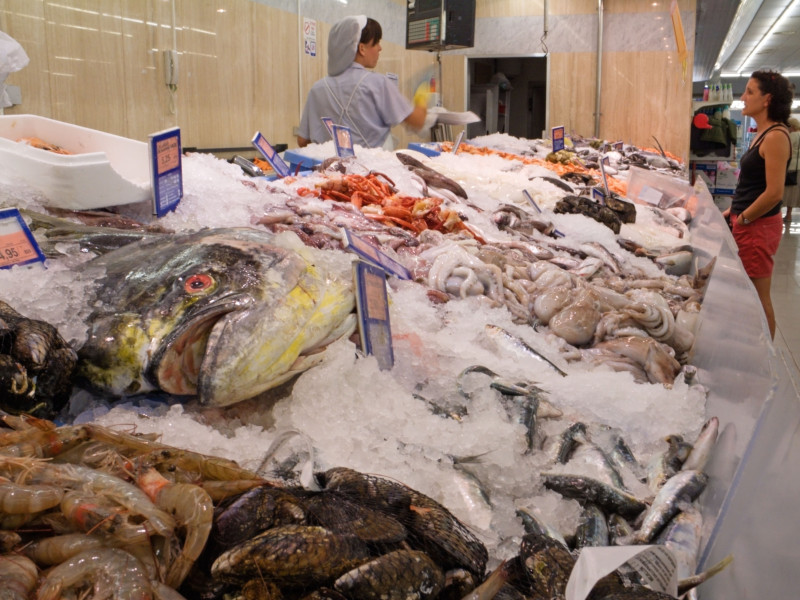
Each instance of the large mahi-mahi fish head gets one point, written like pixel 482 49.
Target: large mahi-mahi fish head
pixel 223 314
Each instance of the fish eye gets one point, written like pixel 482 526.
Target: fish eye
pixel 198 283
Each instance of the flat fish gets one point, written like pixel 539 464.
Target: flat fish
pixel 431 176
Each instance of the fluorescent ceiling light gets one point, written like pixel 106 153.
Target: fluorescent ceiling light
pixel 783 16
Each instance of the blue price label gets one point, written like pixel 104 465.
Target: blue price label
pixel 372 304
pixel 530 199
pixel 373 254
pixel 270 155
pixel 458 142
pixel 166 171
pixel 603 164
pixel 598 195
pixel 532 202
pixel 17 244
pixel 343 141
pixel 618 146
pixel 558 138
pixel 328 122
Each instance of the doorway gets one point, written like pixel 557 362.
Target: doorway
pixel 509 94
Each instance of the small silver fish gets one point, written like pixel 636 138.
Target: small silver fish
pixel 618 528
pixel 665 465
pixel 592 527
pixel 569 440
pixel 680 489
pixel 702 447
pixel 536 525
pixel 517 346
pixel 682 536
pixel 597 250
pixel 584 488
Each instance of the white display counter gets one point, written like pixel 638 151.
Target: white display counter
pixel 752 498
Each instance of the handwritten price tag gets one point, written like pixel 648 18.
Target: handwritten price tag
pixel 17 244
pixel 166 173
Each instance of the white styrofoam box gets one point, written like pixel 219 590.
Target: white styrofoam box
pixel 103 169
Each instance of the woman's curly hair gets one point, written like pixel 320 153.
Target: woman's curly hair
pixel 782 91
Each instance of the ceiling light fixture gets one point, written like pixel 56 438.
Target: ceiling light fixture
pixel 781 18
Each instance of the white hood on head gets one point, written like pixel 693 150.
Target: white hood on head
pixel 343 43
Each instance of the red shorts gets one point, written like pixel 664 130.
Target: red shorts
pixel 758 243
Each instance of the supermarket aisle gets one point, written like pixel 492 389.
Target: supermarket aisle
pixel 786 291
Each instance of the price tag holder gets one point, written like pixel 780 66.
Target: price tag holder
pixel 532 202
pixel 328 122
pixel 557 134
pixel 618 146
pixel 166 171
pixel 343 141
pixel 17 244
pixel 372 304
pixel 374 255
pixel 458 142
pixel 599 196
pixel 270 155
pixel 603 164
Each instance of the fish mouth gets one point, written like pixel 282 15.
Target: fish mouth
pixel 177 363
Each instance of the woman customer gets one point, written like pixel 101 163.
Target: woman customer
pixel 791 191
pixel 369 103
pixel 755 212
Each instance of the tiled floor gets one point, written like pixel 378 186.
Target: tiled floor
pixel 786 290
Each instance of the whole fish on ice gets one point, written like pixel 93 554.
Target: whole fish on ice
pixel 222 314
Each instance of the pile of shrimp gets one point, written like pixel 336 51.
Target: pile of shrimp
pixel 85 508
pixel 376 197
pixel 615 185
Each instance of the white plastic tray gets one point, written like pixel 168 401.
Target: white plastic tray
pixel 103 169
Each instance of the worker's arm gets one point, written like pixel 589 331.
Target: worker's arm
pixel 302 142
pixel 417 117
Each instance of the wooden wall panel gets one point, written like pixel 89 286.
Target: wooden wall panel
pixel 572 91
pixel 147 31
pixel 645 95
pixel 217 68
pixel 99 63
pixel 85 58
pixel 275 109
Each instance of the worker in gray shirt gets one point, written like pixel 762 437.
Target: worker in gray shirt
pixel 369 103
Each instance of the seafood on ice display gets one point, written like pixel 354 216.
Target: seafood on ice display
pixel 542 377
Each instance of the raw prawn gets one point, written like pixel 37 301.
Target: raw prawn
pixel 25 499
pixel 45 443
pixel 55 550
pixel 87 513
pixel 193 510
pixel 18 575
pixel 210 467
pixel 110 487
pixel 117 571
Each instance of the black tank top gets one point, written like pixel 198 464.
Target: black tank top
pixel 753 178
